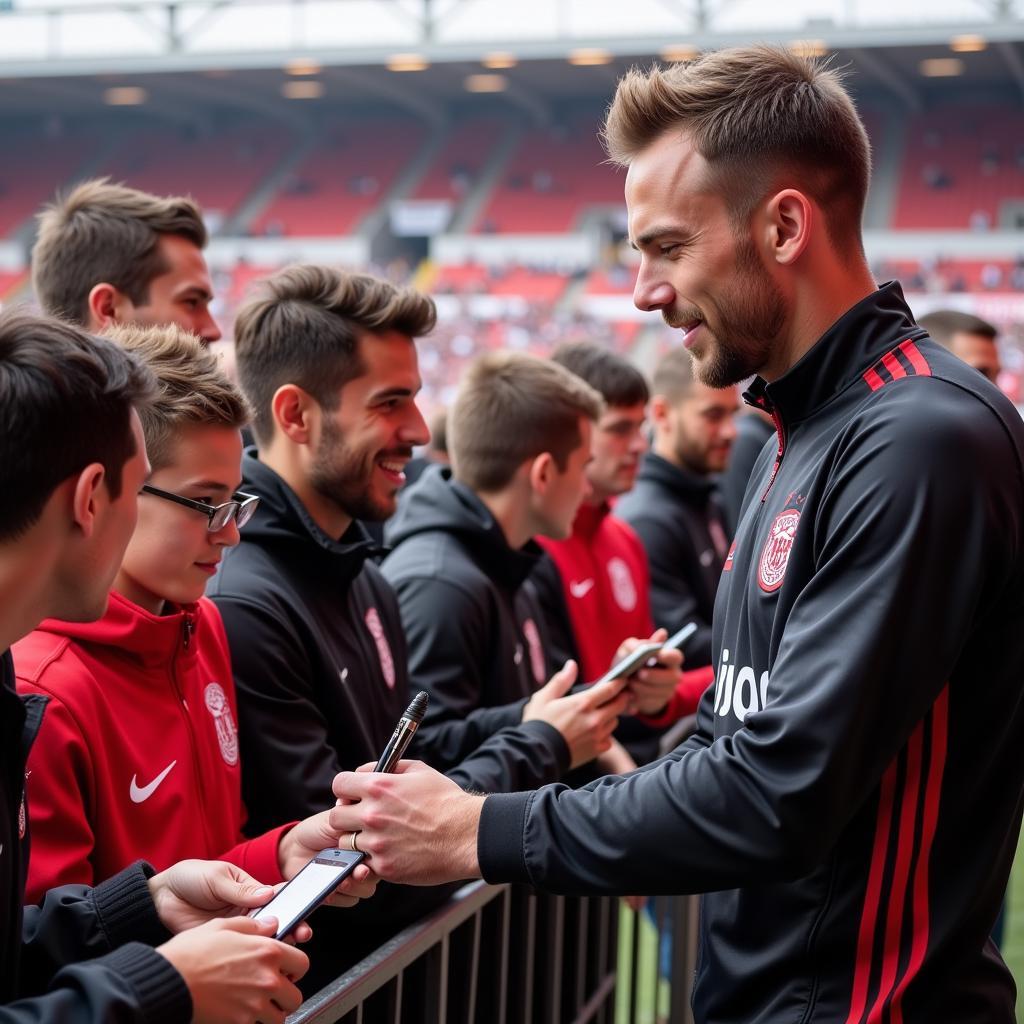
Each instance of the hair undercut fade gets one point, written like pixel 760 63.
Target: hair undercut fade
pixel 65 402
pixel 673 376
pixel 511 407
pixel 944 323
pixel 304 329
pixel 763 118
pixel 104 232
pixel 192 389
pixel 617 380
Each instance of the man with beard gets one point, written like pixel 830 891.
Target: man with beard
pixel 850 802
pixel 674 506
pixel 328 363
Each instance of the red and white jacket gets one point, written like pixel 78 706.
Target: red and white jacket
pixel 600 590
pixel 137 756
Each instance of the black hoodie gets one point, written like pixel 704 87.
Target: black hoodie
pixel 472 624
pixel 677 517
pixel 319 661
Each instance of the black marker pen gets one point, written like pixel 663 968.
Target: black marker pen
pixel 407 725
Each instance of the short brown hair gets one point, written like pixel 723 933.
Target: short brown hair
pixel 511 407
pixel 305 328
pixel 944 323
pixel 755 114
pixel 192 389
pixel 673 376
pixel 66 400
pixel 616 379
pixel 102 232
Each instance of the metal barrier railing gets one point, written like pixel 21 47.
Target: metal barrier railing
pixel 510 955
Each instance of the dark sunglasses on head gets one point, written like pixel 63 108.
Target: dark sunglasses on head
pixel 239 509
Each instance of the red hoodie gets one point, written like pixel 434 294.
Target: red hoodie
pixel 137 756
pixel 606 582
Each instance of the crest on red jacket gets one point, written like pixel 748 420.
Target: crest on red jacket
pixel 387 662
pixel 771 569
pixel 223 721
pixel 623 587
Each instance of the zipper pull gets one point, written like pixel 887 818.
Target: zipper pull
pixel 187 628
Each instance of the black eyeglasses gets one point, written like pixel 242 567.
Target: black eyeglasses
pixel 239 509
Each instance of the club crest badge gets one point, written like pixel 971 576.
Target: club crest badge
pixel 623 587
pixel 771 569
pixel 387 662
pixel 223 721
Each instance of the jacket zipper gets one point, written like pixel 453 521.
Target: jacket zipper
pixel 777 419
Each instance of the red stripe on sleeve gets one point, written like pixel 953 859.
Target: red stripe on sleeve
pixel 893 365
pixel 901 873
pixel 872 897
pixel 917 361
pixel 873 381
pixel 932 796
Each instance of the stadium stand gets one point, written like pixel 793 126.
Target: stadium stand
pixel 219 168
pixel 343 179
pixel 34 164
pixel 553 176
pixel 453 171
pixel 960 165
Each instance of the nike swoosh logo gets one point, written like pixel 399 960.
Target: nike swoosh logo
pixel 140 793
pixel 580 588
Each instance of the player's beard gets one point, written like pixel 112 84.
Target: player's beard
pixel 345 476
pixel 748 315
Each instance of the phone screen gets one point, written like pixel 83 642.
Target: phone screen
pixel 314 883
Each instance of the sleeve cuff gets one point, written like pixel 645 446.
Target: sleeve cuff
pixel 125 907
pixel 500 838
pixel 163 996
pixel 553 740
pixel 259 856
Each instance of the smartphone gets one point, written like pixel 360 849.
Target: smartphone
pixel 308 889
pixel 677 639
pixel 630 663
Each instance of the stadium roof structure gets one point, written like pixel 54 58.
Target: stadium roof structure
pixel 426 55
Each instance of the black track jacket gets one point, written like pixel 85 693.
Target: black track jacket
pixel 851 801
pixel 60 961
pixel 473 625
pixel 319 659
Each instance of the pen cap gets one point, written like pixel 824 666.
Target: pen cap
pixel 418 708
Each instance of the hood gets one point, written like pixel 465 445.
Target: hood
pixel 691 486
pixel 283 523
pixel 147 638
pixel 437 503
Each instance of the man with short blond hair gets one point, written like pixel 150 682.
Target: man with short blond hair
pixel 108 254
pixel 850 802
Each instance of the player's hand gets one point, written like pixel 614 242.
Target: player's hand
pixel 653 688
pixel 303 842
pixel 236 972
pixel 587 719
pixel 415 825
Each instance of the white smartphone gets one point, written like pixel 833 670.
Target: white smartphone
pixel 630 663
pixel 308 889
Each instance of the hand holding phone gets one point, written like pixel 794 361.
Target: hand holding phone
pixel 298 898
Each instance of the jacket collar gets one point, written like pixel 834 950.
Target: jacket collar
pixel 147 638
pixel 282 519
pixel 688 485
pixel 853 344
